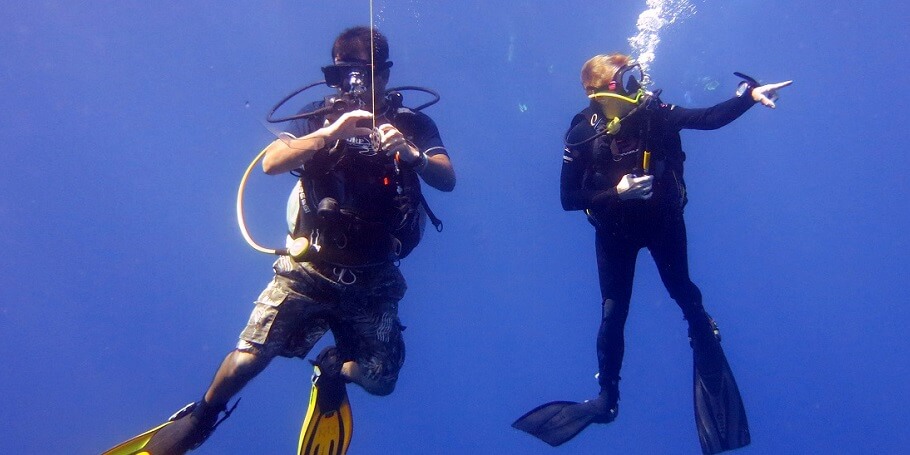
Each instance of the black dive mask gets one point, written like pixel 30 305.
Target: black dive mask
pixel 627 80
pixel 352 78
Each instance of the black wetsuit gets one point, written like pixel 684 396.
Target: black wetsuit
pixel 590 172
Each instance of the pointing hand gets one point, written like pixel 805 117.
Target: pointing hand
pixel 767 94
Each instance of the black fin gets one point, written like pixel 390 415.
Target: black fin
pixel 559 421
pixel 719 412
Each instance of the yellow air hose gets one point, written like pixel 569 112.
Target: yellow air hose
pixel 243 230
pixel 298 247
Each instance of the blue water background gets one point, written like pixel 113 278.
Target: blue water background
pixel 124 280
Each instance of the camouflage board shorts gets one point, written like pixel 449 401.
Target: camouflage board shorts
pixel 305 300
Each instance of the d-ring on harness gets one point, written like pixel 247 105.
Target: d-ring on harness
pixel 341 272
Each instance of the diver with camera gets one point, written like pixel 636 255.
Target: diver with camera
pixel 356 210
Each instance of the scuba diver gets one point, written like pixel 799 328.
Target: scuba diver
pixel 356 210
pixel 623 165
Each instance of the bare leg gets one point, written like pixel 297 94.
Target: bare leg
pixel 191 430
pixel 237 369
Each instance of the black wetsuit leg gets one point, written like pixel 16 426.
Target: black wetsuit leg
pixel 667 243
pixel 616 255
pixel 719 412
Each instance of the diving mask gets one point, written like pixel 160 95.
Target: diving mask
pixel 352 77
pixel 628 80
pixel 622 93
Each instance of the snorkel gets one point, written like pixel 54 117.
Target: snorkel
pixel 620 109
pixel 622 96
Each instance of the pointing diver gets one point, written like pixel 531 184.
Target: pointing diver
pixel 356 210
pixel 623 166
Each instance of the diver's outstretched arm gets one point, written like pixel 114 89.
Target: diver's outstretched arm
pixel 766 94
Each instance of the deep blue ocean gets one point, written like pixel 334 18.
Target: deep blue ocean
pixel 124 279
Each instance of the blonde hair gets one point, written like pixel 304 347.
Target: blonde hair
pixel 599 70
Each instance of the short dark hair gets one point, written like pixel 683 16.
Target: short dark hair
pixel 355 42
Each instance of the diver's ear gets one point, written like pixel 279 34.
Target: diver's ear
pixel 383 75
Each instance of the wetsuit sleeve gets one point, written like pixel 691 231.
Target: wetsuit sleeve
pixel 575 161
pixel 710 118
pixel 423 133
pixel 302 127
